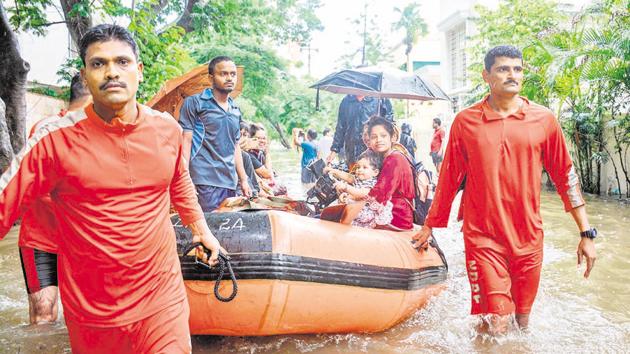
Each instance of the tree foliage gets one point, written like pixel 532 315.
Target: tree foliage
pixel 244 29
pixel 579 65
pixel 412 23
pixel 513 22
pixel 367 45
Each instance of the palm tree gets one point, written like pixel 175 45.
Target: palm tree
pixel 586 70
pixel 414 27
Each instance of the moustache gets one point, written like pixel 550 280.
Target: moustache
pixel 109 84
pixel 511 82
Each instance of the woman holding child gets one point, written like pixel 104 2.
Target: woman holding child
pixel 389 202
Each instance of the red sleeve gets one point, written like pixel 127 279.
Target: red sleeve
pixel 558 164
pixel 30 176
pixel 452 173
pixel 182 190
pixel 389 179
pixel 442 134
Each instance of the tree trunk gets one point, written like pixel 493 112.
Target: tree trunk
pixel 6 151
pixel 612 159
pixel 184 20
pixel 278 128
pixel 13 71
pixel 77 25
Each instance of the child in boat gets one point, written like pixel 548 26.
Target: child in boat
pixel 364 178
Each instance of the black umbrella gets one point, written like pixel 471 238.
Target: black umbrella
pixel 381 83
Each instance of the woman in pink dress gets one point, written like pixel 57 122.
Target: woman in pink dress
pixel 394 187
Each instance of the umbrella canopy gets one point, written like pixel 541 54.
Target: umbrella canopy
pixel 382 83
pixel 172 94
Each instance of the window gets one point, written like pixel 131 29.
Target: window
pixel 456 42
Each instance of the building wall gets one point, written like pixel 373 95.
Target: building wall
pixel 39 107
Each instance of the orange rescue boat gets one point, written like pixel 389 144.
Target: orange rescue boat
pixel 297 274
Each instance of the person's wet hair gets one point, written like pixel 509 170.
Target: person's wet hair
pixel 312 134
pixel 77 89
pixel 375 160
pixel 507 51
pixel 437 121
pixel 326 131
pixel 217 60
pixel 104 33
pixel 388 125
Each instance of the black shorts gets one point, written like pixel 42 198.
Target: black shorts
pixel 39 268
pixel 308 176
pixel 436 158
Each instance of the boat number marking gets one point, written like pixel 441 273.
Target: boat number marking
pixel 227 224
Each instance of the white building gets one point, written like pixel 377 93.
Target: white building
pixel 457 27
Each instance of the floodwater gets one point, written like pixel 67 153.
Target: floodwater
pixel 570 315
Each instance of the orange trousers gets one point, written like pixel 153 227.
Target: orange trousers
pixel 502 284
pixel 164 332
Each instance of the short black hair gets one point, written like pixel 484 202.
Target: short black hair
pixel 104 33
pixel 77 89
pixel 312 134
pixel 437 120
pixel 217 60
pixel 326 131
pixel 508 51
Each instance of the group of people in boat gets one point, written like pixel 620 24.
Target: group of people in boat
pixel 100 181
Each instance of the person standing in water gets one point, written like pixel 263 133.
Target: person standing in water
pixel 501 145
pixel 112 171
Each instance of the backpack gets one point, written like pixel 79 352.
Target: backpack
pixel 420 208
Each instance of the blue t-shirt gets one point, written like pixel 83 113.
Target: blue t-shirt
pixel 309 152
pixel 215 135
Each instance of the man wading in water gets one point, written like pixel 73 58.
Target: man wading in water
pixel 501 144
pixel 112 170
pixel 39 222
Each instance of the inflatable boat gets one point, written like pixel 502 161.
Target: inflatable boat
pixel 297 274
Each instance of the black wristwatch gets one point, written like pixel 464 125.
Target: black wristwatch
pixel 590 233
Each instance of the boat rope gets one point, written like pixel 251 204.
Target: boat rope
pixel 434 244
pixel 224 262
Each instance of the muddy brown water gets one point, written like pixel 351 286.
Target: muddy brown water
pixel 570 315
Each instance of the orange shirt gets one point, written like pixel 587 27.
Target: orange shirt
pixel 437 139
pixel 111 185
pixel 39 221
pixel 503 159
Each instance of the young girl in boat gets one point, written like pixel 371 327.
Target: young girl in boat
pixel 357 187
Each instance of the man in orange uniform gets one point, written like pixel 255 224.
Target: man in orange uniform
pixel 40 265
pixel 501 144
pixel 112 171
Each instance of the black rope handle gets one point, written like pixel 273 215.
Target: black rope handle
pixel 224 262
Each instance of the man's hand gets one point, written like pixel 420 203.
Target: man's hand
pixel 586 250
pixel 247 191
pixel 420 240
pixel 201 233
pixel 331 157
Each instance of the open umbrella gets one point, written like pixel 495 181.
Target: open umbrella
pixel 381 83
pixel 172 94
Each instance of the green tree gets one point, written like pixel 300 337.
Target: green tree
pixel 513 22
pixel 414 26
pixel 244 29
pixel 586 70
pixel 373 48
